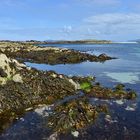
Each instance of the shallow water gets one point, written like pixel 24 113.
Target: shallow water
pixel 125 115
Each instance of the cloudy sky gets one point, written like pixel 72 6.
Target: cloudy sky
pixel 117 20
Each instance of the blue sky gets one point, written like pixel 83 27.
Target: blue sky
pixel 117 20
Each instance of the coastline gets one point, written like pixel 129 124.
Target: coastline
pixel 28 88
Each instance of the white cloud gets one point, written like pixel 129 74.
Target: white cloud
pixel 118 26
pixel 113 24
pixel 114 19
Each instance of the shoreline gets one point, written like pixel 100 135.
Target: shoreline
pixel 22 87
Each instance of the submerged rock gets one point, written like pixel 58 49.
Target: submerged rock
pixel 75 133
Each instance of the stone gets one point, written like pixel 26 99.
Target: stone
pixel 75 133
pixel 76 85
pixel 17 78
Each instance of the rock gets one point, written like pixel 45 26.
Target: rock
pixel 54 136
pixel 129 108
pixel 76 85
pixel 54 75
pixel 103 57
pixel 8 69
pixel 120 102
pixel 109 119
pixel 17 78
pixel 43 111
pixel 75 133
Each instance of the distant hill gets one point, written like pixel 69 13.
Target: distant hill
pixel 62 41
pixel 80 42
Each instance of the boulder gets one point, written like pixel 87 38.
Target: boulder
pixel 9 69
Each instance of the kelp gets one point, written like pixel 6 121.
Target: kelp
pixel 74 115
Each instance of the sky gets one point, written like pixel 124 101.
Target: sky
pixel 116 20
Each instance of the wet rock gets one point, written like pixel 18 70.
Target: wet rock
pixel 54 136
pixel 75 133
pixel 100 92
pixel 103 57
pixel 119 102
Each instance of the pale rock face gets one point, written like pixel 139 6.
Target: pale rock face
pixel 54 136
pixel 76 85
pixel 54 75
pixel 18 65
pixel 17 78
pixel 9 67
pixel 75 133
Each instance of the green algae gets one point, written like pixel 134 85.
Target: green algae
pixel 86 86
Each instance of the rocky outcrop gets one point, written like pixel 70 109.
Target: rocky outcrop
pixel 49 55
pixel 9 68
pixel 22 87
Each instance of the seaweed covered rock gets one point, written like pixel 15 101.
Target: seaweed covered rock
pixel 118 92
pixel 49 55
pixel 74 115
pixel 93 89
pixel 103 57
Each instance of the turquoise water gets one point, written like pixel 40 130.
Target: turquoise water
pixel 125 115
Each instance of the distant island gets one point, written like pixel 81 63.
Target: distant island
pixel 80 42
pixel 62 41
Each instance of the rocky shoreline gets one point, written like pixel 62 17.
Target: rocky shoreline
pixel 22 87
pixel 49 55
